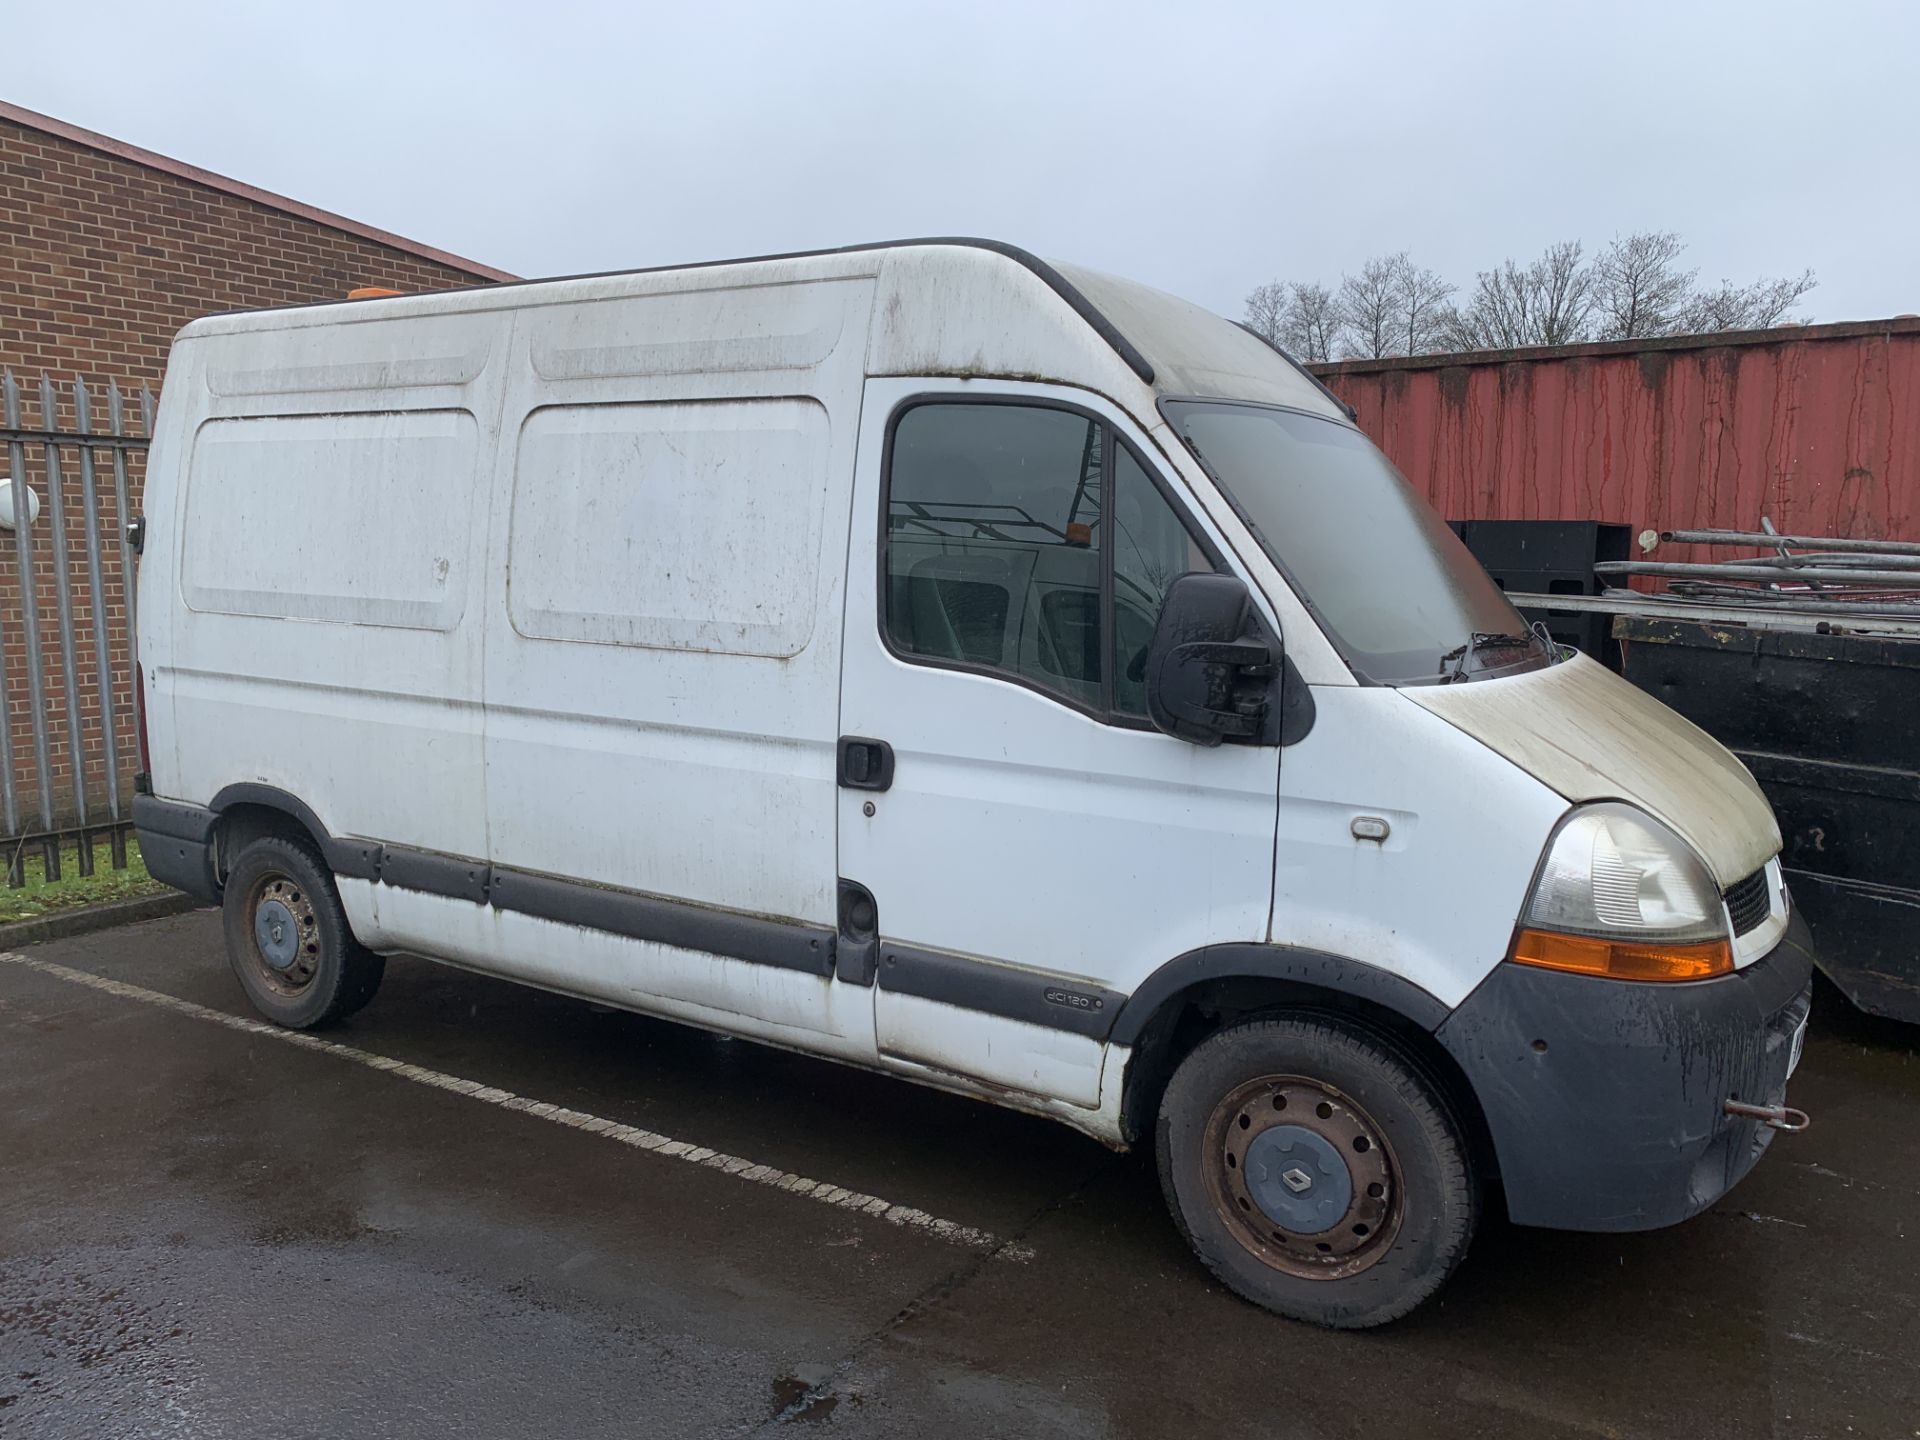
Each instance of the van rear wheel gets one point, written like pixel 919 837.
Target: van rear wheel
pixel 1316 1170
pixel 288 939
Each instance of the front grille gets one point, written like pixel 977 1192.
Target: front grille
pixel 1748 902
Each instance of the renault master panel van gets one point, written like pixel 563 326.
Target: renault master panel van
pixel 990 673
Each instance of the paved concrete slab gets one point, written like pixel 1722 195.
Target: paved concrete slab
pixel 208 1231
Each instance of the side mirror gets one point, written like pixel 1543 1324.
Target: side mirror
pixel 1209 669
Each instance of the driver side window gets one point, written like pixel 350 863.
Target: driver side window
pixel 1026 541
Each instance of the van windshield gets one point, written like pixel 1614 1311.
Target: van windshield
pixel 1395 590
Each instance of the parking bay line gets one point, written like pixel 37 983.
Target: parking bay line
pixel 906 1216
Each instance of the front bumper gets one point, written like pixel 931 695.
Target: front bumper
pixel 1604 1098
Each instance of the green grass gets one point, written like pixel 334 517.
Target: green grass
pixel 39 896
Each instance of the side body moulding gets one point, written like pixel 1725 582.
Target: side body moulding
pixel 181 844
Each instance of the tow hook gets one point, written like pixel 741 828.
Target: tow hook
pixel 1778 1117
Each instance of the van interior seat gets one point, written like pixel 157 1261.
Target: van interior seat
pixel 960 604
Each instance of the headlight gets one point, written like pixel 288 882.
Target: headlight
pixel 1621 895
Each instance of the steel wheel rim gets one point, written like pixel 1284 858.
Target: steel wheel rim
pixel 284 934
pixel 1264 1119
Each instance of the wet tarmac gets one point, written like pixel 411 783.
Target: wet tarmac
pixel 210 1231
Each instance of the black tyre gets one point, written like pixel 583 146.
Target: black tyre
pixel 288 939
pixel 1316 1170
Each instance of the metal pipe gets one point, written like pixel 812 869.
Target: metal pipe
pixel 29 436
pixel 1861 602
pixel 1897 579
pixel 63 600
pixel 1843 559
pixel 30 622
pixel 1781 612
pixel 1785 551
pixel 96 597
pixel 9 799
pixel 1763 541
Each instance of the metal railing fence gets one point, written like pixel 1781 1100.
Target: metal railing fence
pixel 68 722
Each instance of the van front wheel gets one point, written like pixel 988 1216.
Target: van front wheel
pixel 1316 1170
pixel 288 939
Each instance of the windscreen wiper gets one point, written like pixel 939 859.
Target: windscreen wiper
pixel 1460 656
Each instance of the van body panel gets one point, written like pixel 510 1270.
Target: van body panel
pixel 1193 353
pixel 380 353
pixel 711 329
pixel 1033 1059
pixel 598 486
pixel 1436 900
pixel 1078 854
pixel 154 613
pixel 308 650
pixel 942 312
pixel 677 983
pixel 301 550
pixel 662 680
pixel 1590 735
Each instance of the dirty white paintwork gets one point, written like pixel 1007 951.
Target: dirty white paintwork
pixel 1192 353
pixel 363 695
pixel 300 548
pixel 676 736
pixel 1590 735
pixel 1437 900
pixel 627 521
pixel 579 577
pixel 1029 1059
pixel 760 1001
pixel 1022 831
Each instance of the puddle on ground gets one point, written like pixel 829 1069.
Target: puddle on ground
pixel 794 1399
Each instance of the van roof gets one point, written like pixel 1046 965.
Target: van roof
pixel 1168 344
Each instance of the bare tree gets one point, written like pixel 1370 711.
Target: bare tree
pixel 1547 302
pixel 1267 311
pixel 1634 288
pixel 1639 288
pixel 1565 289
pixel 1372 306
pixel 1424 313
pixel 1314 323
pixel 1759 306
pixel 1499 314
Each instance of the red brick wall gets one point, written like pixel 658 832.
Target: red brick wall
pixel 102 260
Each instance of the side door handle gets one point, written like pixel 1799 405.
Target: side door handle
pixel 865 764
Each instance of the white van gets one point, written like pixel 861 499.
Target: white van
pixel 987 672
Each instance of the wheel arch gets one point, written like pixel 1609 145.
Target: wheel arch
pixel 246 810
pixel 1205 990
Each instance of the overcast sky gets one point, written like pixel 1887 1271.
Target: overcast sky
pixel 1200 147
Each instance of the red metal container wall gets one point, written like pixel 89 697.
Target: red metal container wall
pixel 1817 428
